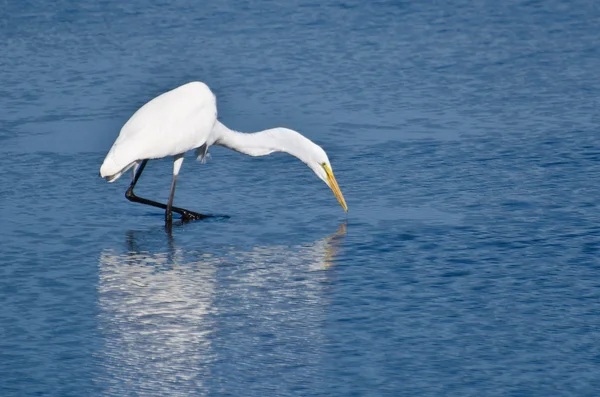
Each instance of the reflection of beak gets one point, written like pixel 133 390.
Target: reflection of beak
pixel 332 246
pixel 334 186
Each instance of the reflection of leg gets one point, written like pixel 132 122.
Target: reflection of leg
pixel 186 215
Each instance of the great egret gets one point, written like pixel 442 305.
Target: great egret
pixel 185 118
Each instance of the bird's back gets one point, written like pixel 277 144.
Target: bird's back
pixel 172 123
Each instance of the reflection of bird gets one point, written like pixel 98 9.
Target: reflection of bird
pixel 172 318
pixel 155 318
pixel 331 246
pixel 186 118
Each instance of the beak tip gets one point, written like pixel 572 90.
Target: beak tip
pixel 332 183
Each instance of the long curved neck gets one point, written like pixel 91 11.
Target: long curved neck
pixel 262 143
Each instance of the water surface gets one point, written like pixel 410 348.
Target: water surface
pixel 464 137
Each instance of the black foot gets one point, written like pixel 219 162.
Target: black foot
pixel 187 216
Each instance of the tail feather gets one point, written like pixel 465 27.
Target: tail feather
pixel 111 170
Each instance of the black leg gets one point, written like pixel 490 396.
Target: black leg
pixel 186 215
pixel 168 214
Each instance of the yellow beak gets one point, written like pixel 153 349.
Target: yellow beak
pixel 335 188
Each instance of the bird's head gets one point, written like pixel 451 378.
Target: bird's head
pixel 319 163
pixel 282 140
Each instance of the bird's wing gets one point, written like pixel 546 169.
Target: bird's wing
pixel 170 124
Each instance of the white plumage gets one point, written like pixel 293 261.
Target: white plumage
pixel 172 123
pixel 184 119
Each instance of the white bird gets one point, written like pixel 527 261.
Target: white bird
pixel 185 118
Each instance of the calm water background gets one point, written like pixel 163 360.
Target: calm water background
pixel 464 136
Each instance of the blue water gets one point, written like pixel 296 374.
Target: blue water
pixel 465 138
